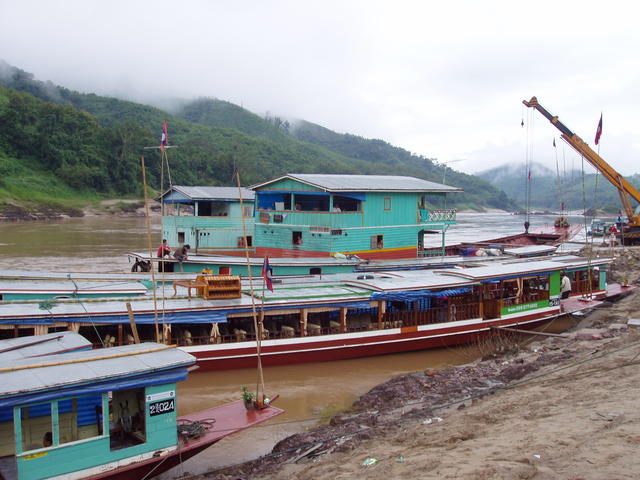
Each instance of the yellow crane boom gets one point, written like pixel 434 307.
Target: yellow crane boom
pixel 625 189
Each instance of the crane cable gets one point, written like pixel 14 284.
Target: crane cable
pixel 527 161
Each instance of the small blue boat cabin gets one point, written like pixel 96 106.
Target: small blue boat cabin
pixel 88 413
pixel 370 216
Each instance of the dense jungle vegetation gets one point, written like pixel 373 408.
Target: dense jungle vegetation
pixel 63 148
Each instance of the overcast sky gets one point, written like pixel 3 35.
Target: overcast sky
pixel 440 79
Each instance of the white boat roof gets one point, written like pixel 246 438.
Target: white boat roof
pixel 364 183
pixel 55 371
pixel 522 267
pixel 233 260
pixel 38 345
pixel 71 287
pixel 90 276
pixel 210 193
pixel 293 291
pixel 530 250
pixel 407 280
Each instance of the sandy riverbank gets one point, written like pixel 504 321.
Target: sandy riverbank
pixel 554 408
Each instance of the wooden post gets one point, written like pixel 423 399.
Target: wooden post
pixel 120 334
pixel 303 322
pixel 381 310
pixel 166 333
pixel 260 332
pixel 41 329
pixel 134 329
pixel 343 320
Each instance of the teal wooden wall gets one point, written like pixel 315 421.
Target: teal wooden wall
pixel 67 458
pixel 217 232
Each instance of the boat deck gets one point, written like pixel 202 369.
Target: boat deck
pixel 228 419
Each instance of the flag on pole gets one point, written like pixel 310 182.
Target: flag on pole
pixel 266 274
pixel 164 140
pixel 599 130
pixel 529 175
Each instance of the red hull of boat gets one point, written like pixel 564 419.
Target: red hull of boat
pixel 378 342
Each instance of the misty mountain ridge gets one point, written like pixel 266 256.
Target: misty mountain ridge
pixel 215 138
pixel 550 189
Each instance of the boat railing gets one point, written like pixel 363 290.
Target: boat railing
pixel 452 313
pixel 446 215
pixel 581 285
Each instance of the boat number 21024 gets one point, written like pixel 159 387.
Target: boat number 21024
pixel 164 406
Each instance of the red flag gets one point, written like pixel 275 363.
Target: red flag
pixel 164 140
pixel 599 130
pixel 266 274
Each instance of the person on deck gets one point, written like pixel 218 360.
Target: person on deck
pixel 163 249
pixel 612 235
pixel 565 286
pixel 181 254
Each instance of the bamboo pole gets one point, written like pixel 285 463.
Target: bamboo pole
pixel 153 275
pixel 256 327
pixel 84 360
pixel 134 328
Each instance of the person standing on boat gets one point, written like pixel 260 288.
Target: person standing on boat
pixel 164 250
pixel 181 254
pixel 612 235
pixel 565 286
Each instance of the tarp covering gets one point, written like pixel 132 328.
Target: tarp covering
pixel 413 295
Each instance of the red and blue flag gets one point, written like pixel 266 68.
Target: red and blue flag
pixel 266 274
pixel 164 140
pixel 599 130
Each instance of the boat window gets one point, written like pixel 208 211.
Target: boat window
pixel 80 418
pixel 127 425
pixel 377 241
pixel 315 271
pixel 37 427
pixel 387 204
pixel 180 238
pixel 296 238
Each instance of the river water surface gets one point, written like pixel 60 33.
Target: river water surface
pixel 307 392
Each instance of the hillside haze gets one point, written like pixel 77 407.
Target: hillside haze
pixel 81 144
pixel 549 188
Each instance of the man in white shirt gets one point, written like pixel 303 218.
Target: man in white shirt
pixel 565 286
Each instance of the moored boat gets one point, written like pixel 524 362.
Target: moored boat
pixel 318 318
pixel 106 414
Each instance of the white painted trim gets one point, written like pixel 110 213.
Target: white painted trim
pixel 107 467
pixel 382 342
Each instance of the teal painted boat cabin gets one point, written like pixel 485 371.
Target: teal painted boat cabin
pixel 209 219
pixel 370 216
pixel 81 414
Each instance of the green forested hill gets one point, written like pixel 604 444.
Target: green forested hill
pixel 548 190
pixel 57 144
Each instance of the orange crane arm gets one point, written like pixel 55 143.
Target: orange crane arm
pixel 625 189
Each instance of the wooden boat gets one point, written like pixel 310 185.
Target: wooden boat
pixel 313 318
pixel 107 413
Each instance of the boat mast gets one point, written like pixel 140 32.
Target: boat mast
pixel 257 326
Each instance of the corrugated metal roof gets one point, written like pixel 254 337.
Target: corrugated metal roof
pixel 365 183
pixel 55 371
pixel 209 193
pixel 37 345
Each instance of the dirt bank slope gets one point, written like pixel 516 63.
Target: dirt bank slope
pixel 558 408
